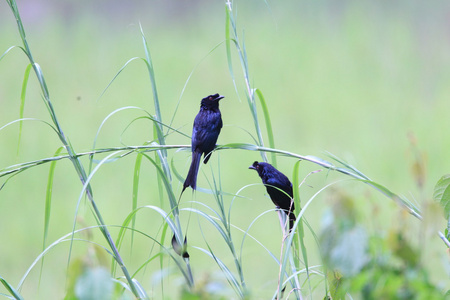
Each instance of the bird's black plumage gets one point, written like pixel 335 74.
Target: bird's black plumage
pixel 278 187
pixel 207 126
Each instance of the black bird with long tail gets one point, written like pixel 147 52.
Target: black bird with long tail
pixel 206 130
pixel 278 187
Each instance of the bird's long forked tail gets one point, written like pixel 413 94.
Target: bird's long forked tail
pixel 191 178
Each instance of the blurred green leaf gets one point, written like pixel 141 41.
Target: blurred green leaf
pixel 344 243
pixel 403 249
pixel 94 284
pixel 346 251
pixel 442 194
pixel 74 271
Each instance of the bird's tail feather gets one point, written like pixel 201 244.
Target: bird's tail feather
pixel 191 178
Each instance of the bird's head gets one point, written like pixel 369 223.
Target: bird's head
pixel 255 166
pixel 212 100
pixel 262 168
pixel 215 97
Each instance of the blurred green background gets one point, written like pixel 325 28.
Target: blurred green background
pixel 368 81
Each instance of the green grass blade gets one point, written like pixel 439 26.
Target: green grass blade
pixel 9 49
pixel 50 247
pixel 396 198
pixel 297 203
pixel 230 26
pixel 149 64
pixel 228 40
pixel 20 167
pixel 10 289
pixel 134 196
pixel 110 115
pixel 172 199
pixel 288 242
pixel 48 203
pixel 299 240
pixel 268 125
pixel 211 220
pixel 22 102
pixel 48 196
pixel 117 74
pixel 347 165
pixel 187 81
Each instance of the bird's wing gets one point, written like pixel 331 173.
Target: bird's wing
pixel 282 183
pixel 206 131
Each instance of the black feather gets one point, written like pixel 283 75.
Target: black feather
pixel 278 187
pixel 206 130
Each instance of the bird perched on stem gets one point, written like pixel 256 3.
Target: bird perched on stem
pixel 278 187
pixel 207 126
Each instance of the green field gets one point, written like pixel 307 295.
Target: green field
pixel 368 82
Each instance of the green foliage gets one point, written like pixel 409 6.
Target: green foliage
pixel 373 267
pixel 442 194
pixel 88 278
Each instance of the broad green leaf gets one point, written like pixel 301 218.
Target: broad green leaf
pixel 442 194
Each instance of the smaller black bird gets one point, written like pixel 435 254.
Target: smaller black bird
pixel 207 126
pixel 278 187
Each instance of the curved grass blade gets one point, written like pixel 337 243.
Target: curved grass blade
pixel 117 74
pixel 54 244
pixel 211 220
pixel 402 202
pixel 9 49
pixel 28 119
pixel 187 81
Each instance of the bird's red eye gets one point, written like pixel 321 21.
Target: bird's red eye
pixel 210 98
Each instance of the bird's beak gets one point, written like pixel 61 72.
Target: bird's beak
pixel 220 97
pixel 252 167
